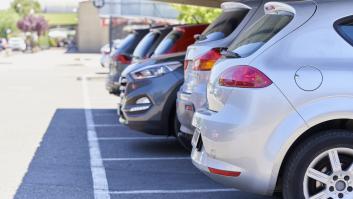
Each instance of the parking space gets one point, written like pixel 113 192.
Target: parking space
pixel 116 161
pixel 137 165
pixel 86 154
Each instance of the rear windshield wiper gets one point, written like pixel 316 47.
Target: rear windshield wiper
pixel 230 54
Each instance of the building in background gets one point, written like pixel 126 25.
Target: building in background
pixel 93 24
pixel 138 8
pixel 91 35
pixel 61 6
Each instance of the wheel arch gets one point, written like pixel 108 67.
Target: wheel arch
pixel 339 123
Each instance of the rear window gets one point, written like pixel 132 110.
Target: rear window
pixel 259 34
pixel 128 41
pixel 224 25
pixel 345 28
pixel 145 44
pixel 167 44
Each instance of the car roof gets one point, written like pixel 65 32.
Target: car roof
pixel 207 3
pixel 190 26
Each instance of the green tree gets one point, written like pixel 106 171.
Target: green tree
pixel 196 14
pixel 26 7
pixel 8 20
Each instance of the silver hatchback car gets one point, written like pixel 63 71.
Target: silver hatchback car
pixel 280 105
pixel 201 57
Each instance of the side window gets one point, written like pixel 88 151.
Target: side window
pixel 224 25
pixel 260 33
pixel 345 28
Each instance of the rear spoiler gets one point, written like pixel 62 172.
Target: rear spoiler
pixel 230 6
pixel 278 8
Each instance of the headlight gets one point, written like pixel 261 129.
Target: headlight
pixel 155 70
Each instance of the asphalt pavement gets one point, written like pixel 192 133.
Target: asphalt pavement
pixel 84 152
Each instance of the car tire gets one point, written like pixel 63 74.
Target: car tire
pixel 315 154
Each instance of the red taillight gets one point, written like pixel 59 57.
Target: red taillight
pixel 123 59
pixel 244 77
pixel 224 173
pixel 207 61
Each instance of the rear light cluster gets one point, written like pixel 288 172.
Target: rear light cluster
pixel 224 172
pixel 124 59
pixel 244 77
pixel 207 61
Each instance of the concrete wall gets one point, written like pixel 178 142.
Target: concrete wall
pixel 91 36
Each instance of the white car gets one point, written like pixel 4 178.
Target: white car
pixel 17 43
pixel 105 51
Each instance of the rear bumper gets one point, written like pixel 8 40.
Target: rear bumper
pixel 185 112
pixel 203 162
pixel 227 147
pixel 187 104
pixel 248 135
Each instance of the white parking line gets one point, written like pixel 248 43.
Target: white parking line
pixel 145 159
pixel 132 138
pixel 106 125
pixel 99 177
pixel 137 192
pixel 105 114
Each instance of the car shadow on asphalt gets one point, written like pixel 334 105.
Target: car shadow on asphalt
pixel 60 168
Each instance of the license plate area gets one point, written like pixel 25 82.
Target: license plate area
pixel 197 140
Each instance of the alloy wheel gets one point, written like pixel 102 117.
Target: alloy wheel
pixel 330 175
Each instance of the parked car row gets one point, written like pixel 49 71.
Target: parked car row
pixel 262 97
pixel 14 43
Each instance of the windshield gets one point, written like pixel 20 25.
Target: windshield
pixel 167 44
pixel 224 25
pixel 145 44
pixel 260 33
